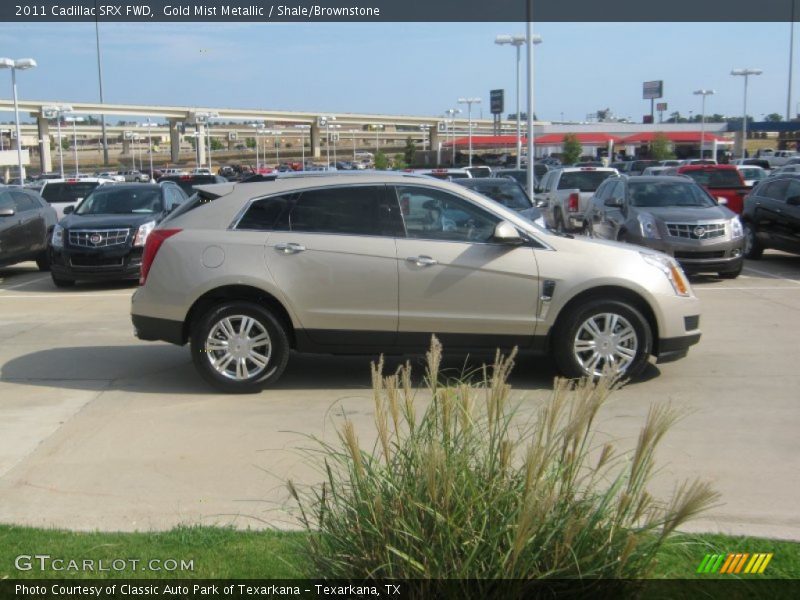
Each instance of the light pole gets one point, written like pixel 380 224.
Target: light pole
pixel 423 130
pixel 73 120
pixel 469 102
pixel 377 141
pixel 529 44
pixel 326 123
pixel 149 142
pixel 518 41
pixel 703 93
pixel 303 129
pixel 20 64
pixel 277 146
pixel 353 135
pixel 56 112
pixel 335 138
pixel 746 74
pixel 451 112
pixel 258 126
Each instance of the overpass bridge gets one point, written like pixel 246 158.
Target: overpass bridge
pixel 233 125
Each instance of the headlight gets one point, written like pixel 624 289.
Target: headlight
pixel 144 231
pixel 648 226
pixel 671 270
pixel 58 237
pixel 736 228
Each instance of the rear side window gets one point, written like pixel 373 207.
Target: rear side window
pixel 774 189
pixel 352 210
pixel 67 192
pixel 23 201
pixel 585 181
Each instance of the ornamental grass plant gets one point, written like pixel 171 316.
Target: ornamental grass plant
pixel 460 485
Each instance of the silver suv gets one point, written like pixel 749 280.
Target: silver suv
pixel 367 263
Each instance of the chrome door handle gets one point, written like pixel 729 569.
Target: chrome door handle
pixel 290 247
pixel 422 261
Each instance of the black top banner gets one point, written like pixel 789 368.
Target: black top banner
pixel 399 11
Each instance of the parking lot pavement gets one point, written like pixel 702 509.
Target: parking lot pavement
pixel 101 431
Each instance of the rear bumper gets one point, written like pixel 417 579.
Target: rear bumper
pixel 151 329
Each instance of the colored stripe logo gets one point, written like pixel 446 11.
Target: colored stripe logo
pixel 735 563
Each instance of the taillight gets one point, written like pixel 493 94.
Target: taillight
pixel 572 203
pixel 151 247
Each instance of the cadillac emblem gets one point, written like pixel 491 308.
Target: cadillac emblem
pixel 699 231
pixel 96 238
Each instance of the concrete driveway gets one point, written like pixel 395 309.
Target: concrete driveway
pixel 101 431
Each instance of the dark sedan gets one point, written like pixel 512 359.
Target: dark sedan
pixel 507 192
pixel 26 221
pixel 771 216
pixel 104 237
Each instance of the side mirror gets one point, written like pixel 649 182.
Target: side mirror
pixel 542 203
pixel 7 212
pixel 614 202
pixel 68 210
pixel 506 233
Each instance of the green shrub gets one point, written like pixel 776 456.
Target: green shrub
pixel 468 488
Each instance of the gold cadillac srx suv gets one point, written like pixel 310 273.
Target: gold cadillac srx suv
pixel 377 262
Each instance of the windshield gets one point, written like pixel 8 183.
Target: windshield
pixel 122 201
pixel 508 193
pixel 668 193
pixel 585 181
pixel 753 173
pixel 67 191
pixel 716 178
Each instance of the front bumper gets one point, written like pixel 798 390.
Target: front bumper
pixel 87 264
pixel 698 256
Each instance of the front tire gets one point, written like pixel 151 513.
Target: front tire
pixel 602 336
pixel 239 347
pixel 62 283
pixel 43 261
pixel 752 247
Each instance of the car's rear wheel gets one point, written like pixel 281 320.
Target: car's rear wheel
pixel 587 230
pixel 239 347
pixel 752 247
pixel 558 219
pixel 62 283
pixel 602 336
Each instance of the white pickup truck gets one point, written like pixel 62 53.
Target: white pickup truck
pixel 777 158
pixel 563 195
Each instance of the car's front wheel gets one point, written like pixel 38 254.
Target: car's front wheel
pixel 62 283
pixel 752 247
pixel 602 336
pixel 239 347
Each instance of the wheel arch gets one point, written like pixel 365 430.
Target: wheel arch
pixel 608 292
pixel 245 293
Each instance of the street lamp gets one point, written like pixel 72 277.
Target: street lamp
pixel 326 123
pixel 303 129
pixel 703 93
pixel 451 112
pixel 258 127
pixel 73 120
pixel 149 141
pixel 56 112
pixel 277 146
pixel 353 133
pixel 20 64
pixel 518 41
pixel 469 102
pixel 746 74
pixel 424 130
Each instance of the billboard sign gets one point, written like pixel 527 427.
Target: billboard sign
pixel 496 101
pixel 661 106
pixel 652 89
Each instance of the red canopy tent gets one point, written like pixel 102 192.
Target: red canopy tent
pixel 487 141
pixel 586 139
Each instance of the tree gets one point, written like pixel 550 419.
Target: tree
pixel 216 144
pixel 250 142
pixel 381 161
pixel 773 118
pixel 571 149
pixel 410 151
pixel 659 148
pixel 399 162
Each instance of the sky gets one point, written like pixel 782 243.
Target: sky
pixel 405 68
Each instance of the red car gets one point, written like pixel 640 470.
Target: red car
pixel 723 182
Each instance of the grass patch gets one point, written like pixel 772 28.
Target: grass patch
pixel 221 553
pixel 217 553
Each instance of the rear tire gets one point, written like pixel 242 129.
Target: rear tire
pixel 62 283
pixel 559 222
pixel 587 230
pixel 239 347
pixel 752 247
pixel 602 334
